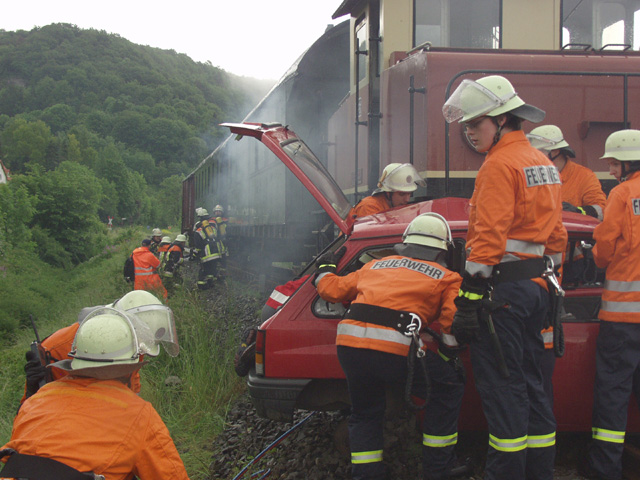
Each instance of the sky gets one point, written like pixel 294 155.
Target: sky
pixel 255 38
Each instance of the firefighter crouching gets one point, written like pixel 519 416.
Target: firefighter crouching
pixel 206 249
pixel 89 421
pixel 395 187
pixel 515 218
pixel 57 346
pixel 618 346
pixel 373 351
pixel 146 265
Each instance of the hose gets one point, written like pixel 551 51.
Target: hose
pixel 275 443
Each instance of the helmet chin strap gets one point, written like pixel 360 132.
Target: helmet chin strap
pixel 496 137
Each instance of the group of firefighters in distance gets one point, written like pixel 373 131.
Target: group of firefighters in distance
pixel 159 258
pixel 90 419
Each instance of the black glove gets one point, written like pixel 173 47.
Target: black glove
pixel 466 327
pixel 567 207
pixel 35 372
pixel 328 263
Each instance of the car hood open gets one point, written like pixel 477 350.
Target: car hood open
pixel 302 162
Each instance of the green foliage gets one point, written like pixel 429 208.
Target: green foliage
pixel 134 115
pixel 67 211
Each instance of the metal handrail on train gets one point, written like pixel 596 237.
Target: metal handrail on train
pixel 625 77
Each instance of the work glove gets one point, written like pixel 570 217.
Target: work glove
pixel 328 263
pixel 35 372
pixel 466 325
pixel 567 207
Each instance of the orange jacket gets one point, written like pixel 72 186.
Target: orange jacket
pixel 370 205
pixel 516 207
pixel 97 426
pixel 618 250
pixel 145 264
pixel 59 344
pixel 399 283
pixel 581 188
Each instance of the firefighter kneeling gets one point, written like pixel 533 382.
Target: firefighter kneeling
pixel 90 421
pixel 374 350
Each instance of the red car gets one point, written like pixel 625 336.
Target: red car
pixel 296 365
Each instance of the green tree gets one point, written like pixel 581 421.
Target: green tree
pixel 25 142
pixel 67 211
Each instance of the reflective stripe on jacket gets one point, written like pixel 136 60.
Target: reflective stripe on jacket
pixel 618 250
pixel 516 201
pixel 399 283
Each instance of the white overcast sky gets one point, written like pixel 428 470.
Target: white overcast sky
pixel 257 38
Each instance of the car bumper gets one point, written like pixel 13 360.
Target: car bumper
pixel 275 398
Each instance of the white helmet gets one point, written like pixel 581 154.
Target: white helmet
pixel 623 145
pixel 202 212
pixel 157 317
pixel 549 137
pixel 156 232
pixel 400 177
pixel 181 238
pixel 108 344
pixel 430 230
pixel 165 240
pixel 492 96
pixel 218 209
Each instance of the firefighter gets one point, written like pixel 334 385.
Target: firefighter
pixel 145 265
pixel 515 217
pixel 397 182
pixel 221 224
pixel 163 247
pixel 581 189
pixel 618 346
pixel 58 345
pixel 174 258
pixel 413 284
pixel 206 249
pixel 156 238
pixel 89 421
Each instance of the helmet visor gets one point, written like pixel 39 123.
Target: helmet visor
pixel 472 100
pixel 542 143
pixel 143 336
pixel 159 320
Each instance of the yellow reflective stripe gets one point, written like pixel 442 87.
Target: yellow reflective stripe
pixel 366 457
pixel 607 435
pixel 469 295
pixel 439 441
pixel 508 444
pixel 541 441
pixel 327 265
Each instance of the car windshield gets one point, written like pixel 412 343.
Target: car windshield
pixel 317 174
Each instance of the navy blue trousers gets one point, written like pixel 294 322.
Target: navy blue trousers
pixel 369 373
pixel 518 411
pixel 617 363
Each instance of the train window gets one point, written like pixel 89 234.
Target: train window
pixel 477 23
pixel 612 25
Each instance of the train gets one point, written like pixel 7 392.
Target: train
pixel 370 92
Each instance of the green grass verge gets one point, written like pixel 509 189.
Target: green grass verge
pixel 194 409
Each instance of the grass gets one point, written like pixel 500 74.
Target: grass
pixel 194 408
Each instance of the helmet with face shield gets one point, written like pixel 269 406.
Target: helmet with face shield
pixel 108 344
pixel 400 177
pixel 549 137
pixel 158 318
pixel 491 96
